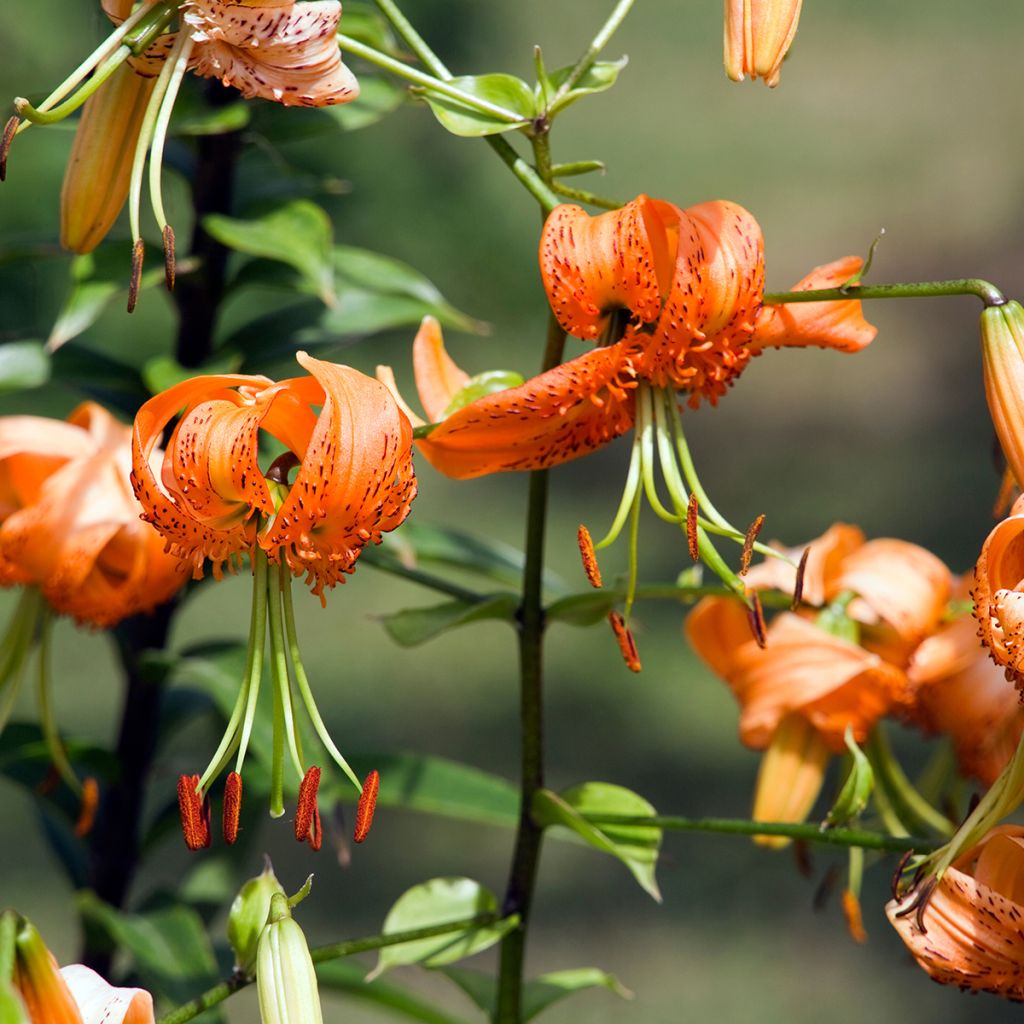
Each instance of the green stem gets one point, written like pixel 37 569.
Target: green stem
pixel 213 996
pixel 412 38
pixel 526 173
pixel 597 44
pixel 581 195
pixel 47 721
pixel 435 85
pixel 810 832
pixel 988 293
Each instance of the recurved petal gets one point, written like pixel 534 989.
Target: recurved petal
pixel 550 419
pixel 839 325
pixel 288 54
pixel 438 379
pixel 998 599
pixel 102 1003
pixel 355 482
pixel 717 628
pixel 592 266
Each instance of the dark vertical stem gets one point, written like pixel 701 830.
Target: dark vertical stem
pixel 526 856
pixel 199 293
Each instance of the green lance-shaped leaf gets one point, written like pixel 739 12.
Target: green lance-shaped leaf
pixel 584 609
pixel 297 233
pixel 23 365
pixel 505 91
pixel 487 383
pixel 857 788
pixel 600 76
pixel 413 626
pixel 539 993
pixel 436 902
pixel 635 845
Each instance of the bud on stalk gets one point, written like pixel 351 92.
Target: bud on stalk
pixel 285 979
pixel 1002 350
pixel 248 916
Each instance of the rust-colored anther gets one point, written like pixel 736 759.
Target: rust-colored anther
pixel 755 616
pixel 87 812
pixel 748 543
pixel 691 528
pixel 854 920
pixel 195 813
pixel 316 835
pixel 170 261
pixel 627 645
pixel 5 144
pixel 589 556
pixel 232 807
pixel 798 584
pixel 894 884
pixel 138 255
pixel 367 804
pixel 306 813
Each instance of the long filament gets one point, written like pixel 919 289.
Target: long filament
pixel 156 153
pixel 54 745
pixel 646 428
pixel 628 495
pixel 279 672
pixel 257 641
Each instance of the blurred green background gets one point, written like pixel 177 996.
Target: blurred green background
pixel 896 116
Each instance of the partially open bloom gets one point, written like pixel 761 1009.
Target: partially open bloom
pixel 758 34
pixel 69 995
pixel 999 594
pixel 967 932
pixel 674 300
pixel 1002 350
pixel 350 446
pixel 281 50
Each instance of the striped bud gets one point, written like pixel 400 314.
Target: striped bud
pixel 1002 350
pixel 248 916
pixel 99 170
pixel 285 979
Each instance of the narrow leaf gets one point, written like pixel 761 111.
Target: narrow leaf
pixel 414 626
pixel 600 76
pixel 23 365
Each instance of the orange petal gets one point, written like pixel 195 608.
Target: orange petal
pixel 837 325
pixel 553 418
pixel 286 54
pixel 592 266
pixel 438 379
pixel 102 1003
pixel 758 34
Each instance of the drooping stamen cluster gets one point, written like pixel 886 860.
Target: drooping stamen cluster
pixel 210 499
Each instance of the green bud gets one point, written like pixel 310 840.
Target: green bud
pixel 248 916
pixel 285 979
pixel 857 789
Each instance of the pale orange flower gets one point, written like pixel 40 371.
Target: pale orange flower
pixel 999 593
pixel 69 523
pixel 758 34
pixel 1002 350
pixel 968 932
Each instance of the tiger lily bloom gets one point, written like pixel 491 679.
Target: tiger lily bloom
pixel 967 932
pixel 999 594
pixel 210 499
pixel 281 50
pixel 758 34
pixel 673 300
pixel 69 995
pixel 71 536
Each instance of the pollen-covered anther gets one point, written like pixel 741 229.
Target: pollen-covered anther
pixel 755 618
pixel 691 528
pixel 748 543
pixel 307 814
pixel 170 259
pixel 798 583
pixel 366 806
pixel 195 813
pixel 232 807
pixel 10 128
pixel 87 812
pixel 627 644
pixel 589 556
pixel 135 281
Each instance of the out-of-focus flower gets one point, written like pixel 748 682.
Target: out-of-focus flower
pixel 957 691
pixel 758 34
pixel 673 299
pixel 999 593
pixel 351 448
pixel 1002 350
pixel 70 995
pixel 967 932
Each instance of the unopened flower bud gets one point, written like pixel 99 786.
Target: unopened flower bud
pixel 38 980
pixel 758 34
pixel 285 979
pixel 1002 350
pixel 248 916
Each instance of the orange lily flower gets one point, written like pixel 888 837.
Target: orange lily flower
pixel 69 523
pixel 210 499
pixel 70 995
pixel 674 298
pixel 999 594
pixel 799 693
pixel 957 691
pixel 967 932
pixel 758 34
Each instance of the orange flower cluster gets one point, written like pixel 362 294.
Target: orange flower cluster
pixel 69 523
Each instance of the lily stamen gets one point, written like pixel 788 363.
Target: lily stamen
pixel 626 641
pixel 195 813
pixel 588 556
pixel 366 806
pixel 232 807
